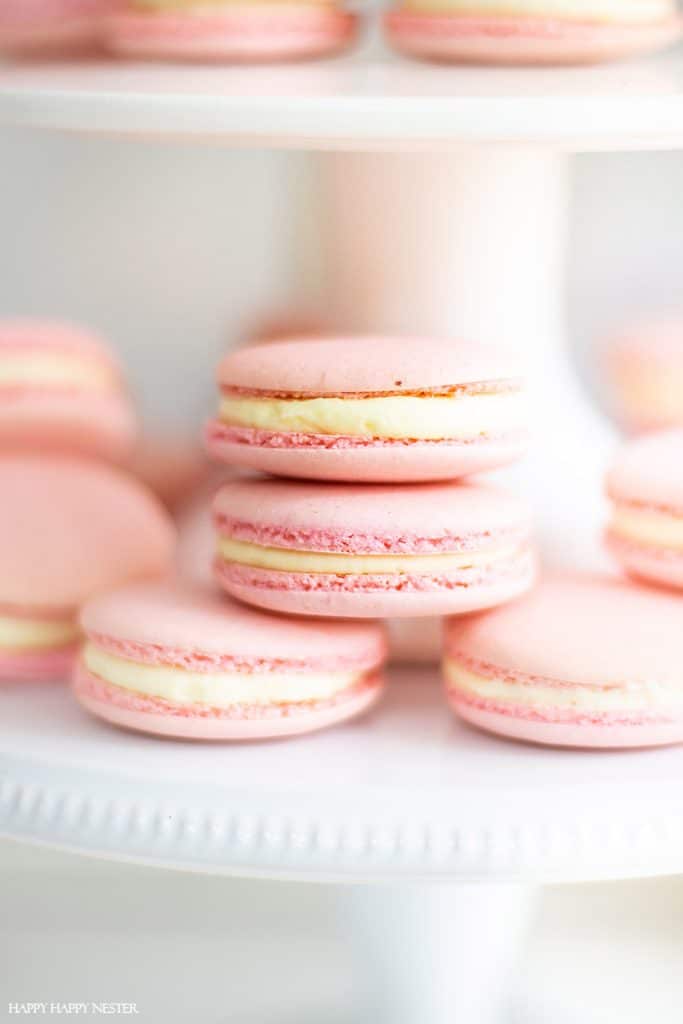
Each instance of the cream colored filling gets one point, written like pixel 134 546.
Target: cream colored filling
pixel 217 689
pixel 653 395
pixel 58 370
pixel 641 696
pixel 609 11
pixel 34 634
pixel 421 418
pixel 288 560
pixel 644 526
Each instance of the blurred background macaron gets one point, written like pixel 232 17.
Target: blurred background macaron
pixel 62 390
pixel 643 374
pixel 69 529
pixel 645 486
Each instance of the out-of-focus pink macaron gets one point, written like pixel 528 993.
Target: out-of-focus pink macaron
pixel 645 485
pixel 532 31
pixel 69 529
pixel 230 30
pixel 61 390
pixel 644 375
pixel 51 26
pixel 369 409
pixel 186 663
pixel 579 662
pixel 375 551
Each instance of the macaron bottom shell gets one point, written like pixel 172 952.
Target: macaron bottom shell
pixel 37 666
pixel 549 728
pixel 244 33
pixel 523 40
pixel 142 713
pixel 359 460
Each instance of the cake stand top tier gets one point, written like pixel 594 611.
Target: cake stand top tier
pixel 362 102
pixel 404 793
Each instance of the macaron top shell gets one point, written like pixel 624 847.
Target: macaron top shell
pixel 649 471
pixel 384 518
pixel 338 366
pixel 70 528
pixel 580 630
pixel 194 619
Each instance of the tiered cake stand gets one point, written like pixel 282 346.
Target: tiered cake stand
pixel 442 208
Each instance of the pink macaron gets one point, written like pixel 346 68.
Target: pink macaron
pixel 51 26
pixel 374 551
pixel 62 390
pixel 184 663
pixel 216 30
pixel 579 662
pixel 369 409
pixel 645 486
pixel 524 32
pixel 69 529
pixel 643 369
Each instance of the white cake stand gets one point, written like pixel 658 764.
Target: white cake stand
pixel 442 208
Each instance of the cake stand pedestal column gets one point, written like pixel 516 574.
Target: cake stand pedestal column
pixel 437 954
pixel 471 244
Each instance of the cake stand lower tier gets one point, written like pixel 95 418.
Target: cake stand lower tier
pixel 444 831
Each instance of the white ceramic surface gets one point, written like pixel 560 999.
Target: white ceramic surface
pixel 405 793
pixel 362 101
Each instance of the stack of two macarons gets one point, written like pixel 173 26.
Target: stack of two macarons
pixel 583 661
pixel 72 523
pixel 362 520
